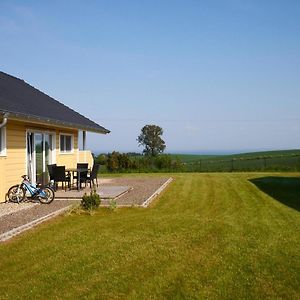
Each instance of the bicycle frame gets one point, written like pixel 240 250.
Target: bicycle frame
pixel 32 189
pixel 27 190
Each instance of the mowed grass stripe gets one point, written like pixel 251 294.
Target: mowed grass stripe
pixel 206 236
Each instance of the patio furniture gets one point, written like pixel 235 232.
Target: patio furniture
pixel 81 175
pixel 81 166
pixel 51 171
pixel 60 175
pixel 93 175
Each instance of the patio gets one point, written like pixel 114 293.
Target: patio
pixel 105 192
pixel 126 191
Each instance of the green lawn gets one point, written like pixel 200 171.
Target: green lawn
pixel 267 161
pixel 207 236
pixel 192 158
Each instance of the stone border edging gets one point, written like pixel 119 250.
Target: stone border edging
pixel 15 231
pixel 147 202
pixel 122 194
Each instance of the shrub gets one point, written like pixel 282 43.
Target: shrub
pixel 112 204
pixel 90 201
pixel 117 162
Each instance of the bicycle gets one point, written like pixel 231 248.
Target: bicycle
pixel 17 193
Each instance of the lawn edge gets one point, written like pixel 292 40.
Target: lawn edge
pixel 148 201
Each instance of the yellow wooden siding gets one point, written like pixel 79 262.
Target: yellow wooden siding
pixel 13 165
pixel 86 157
pixel 2 177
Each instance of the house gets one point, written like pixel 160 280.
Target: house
pixel 37 130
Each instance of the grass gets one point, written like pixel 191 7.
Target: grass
pixel 284 189
pixel 208 236
pixel 193 158
pixel 282 160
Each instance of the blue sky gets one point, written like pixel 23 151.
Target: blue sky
pixel 216 75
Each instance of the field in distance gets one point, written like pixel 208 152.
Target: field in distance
pixel 192 158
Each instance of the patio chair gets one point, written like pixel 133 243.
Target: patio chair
pixel 83 175
pixel 59 175
pixel 51 171
pixel 93 175
pixel 82 165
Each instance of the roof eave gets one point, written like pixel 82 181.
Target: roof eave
pixel 68 125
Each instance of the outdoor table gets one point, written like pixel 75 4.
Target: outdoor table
pixel 78 171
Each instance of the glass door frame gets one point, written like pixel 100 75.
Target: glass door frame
pixel 33 151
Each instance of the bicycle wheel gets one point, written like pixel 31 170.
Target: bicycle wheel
pixel 16 194
pixel 47 195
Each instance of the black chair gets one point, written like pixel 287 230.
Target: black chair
pixel 82 165
pixel 59 175
pixel 93 175
pixel 83 175
pixel 51 171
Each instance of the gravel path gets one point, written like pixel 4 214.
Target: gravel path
pixel 10 208
pixel 15 215
pixel 143 188
pixel 22 217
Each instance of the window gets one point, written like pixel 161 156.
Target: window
pixel 3 141
pixel 66 143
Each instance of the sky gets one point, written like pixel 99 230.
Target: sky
pixel 218 76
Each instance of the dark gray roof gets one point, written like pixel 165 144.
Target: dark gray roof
pixel 19 99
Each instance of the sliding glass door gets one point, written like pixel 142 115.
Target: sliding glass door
pixel 39 155
pixel 39 163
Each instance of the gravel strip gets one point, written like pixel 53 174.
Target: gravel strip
pixel 9 208
pixel 143 188
pixel 15 231
pixel 22 217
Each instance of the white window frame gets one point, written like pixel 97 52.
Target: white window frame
pixel 3 141
pixel 72 143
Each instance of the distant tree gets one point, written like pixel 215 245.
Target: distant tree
pixel 112 161
pixel 134 154
pixel 101 159
pixel 117 161
pixel 150 139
